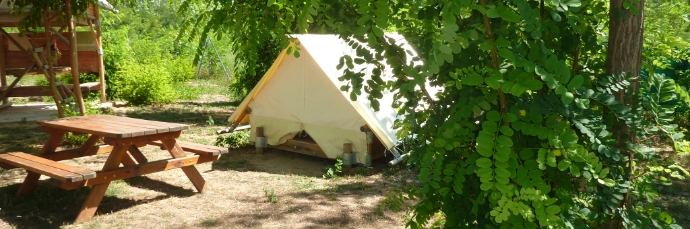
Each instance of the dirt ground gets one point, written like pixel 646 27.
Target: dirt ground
pixel 275 189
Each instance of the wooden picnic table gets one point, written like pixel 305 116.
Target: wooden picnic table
pixel 122 137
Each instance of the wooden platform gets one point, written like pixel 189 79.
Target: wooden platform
pixel 28 112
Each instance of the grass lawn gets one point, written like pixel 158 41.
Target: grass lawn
pixel 275 189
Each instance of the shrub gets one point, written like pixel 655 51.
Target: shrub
pixel 143 84
pixel 245 79
pixel 181 69
pixel 271 195
pixel 233 140
pixel 332 171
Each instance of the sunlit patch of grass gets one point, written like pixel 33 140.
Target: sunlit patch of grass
pixel 116 188
pixel 211 222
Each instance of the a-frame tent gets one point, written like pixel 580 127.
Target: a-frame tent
pixel 300 98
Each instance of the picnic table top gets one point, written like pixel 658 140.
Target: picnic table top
pixel 113 126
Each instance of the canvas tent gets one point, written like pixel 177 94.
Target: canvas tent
pixel 301 96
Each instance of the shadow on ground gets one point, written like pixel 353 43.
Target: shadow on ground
pixel 25 137
pixel 49 206
pixel 283 162
pixel 312 209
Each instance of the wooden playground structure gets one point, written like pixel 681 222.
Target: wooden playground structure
pixel 51 48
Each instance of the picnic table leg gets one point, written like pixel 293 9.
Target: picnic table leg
pixel 49 147
pixel 192 173
pixel 97 191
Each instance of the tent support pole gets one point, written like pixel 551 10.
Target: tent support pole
pixel 347 156
pixel 260 140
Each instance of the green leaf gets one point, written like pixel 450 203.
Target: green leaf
pixel 493 81
pixel 665 217
pixel 506 130
pixel 567 98
pixel 484 162
pixel 493 116
pixel 502 42
pixel 526 154
pixel 486 186
pixel 492 13
pixel 507 54
pixel 563 165
pixel 445 49
pixel 552 210
pixel 532 84
pixel 573 3
pixel 510 117
pixel 473 79
pixel 575 83
pixel 502 154
pixel 485 150
pixel 363 20
pixel 604 172
pixel 377 31
pixel 504 141
pixel 508 14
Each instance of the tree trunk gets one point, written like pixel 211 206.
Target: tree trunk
pixel 625 39
pixel 624 55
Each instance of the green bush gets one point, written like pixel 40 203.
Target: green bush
pixel 181 69
pixel 334 170
pixel 143 84
pixel 233 140
pixel 245 79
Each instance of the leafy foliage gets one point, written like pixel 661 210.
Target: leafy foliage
pixel 244 80
pixel 143 84
pixel 233 140
pixel 334 170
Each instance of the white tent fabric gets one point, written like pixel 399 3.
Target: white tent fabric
pixel 303 94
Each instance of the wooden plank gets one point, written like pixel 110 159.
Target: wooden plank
pixel 85 125
pixel 78 152
pixel 29 183
pixel 3 69
pixel 138 170
pixel 115 120
pixel 138 156
pixel 303 147
pixel 27 91
pixel 55 170
pixel 196 148
pixel 142 139
pixel 191 171
pixel 93 139
pixel 97 191
pixel 74 61
pixel 6 91
pixel 110 126
pixel 88 61
pixel 161 126
pixel 87 174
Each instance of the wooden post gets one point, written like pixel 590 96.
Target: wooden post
pixel 259 142
pixel 74 62
pixel 370 142
pixel 3 71
pixel 347 156
pixel 99 45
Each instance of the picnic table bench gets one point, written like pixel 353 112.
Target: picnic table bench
pixel 122 137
